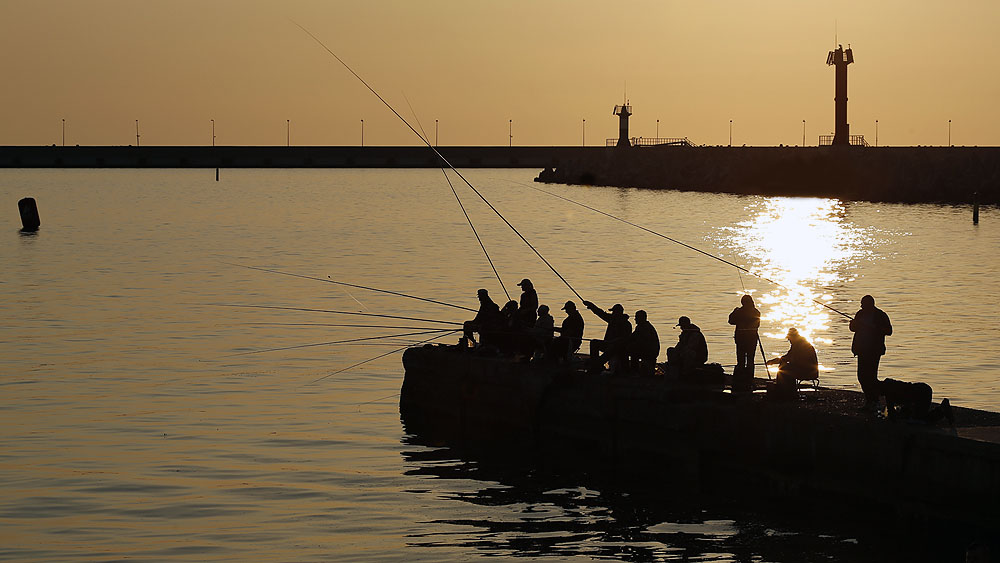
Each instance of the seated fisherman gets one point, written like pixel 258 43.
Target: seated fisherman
pixel 644 345
pixel 613 349
pixel 799 363
pixel 570 334
pixel 691 351
pixel 913 400
pixel 542 333
pixel 487 320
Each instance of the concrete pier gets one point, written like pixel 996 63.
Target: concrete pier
pixel 818 447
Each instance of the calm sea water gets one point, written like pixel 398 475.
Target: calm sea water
pixel 144 416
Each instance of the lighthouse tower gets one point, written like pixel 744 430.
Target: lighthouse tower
pixel 623 112
pixel 840 59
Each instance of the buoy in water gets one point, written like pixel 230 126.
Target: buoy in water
pixel 29 215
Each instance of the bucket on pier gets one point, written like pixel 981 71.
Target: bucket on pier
pixel 29 214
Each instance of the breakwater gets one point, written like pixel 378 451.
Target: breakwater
pixel 888 174
pixel 289 157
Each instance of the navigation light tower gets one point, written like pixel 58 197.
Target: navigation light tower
pixel 840 59
pixel 623 112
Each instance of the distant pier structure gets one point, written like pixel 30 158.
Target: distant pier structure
pixel 623 112
pixel 839 59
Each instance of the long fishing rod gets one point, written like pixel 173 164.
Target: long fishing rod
pixel 340 325
pixel 685 245
pixel 443 159
pixel 420 333
pixel 328 280
pixel 330 312
pixel 382 356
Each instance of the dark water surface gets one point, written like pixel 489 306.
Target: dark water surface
pixel 130 429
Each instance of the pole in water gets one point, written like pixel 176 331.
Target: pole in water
pixel 29 215
pixel 975 208
pixel 216 174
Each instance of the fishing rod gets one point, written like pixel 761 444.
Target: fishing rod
pixel 397 327
pixel 434 331
pixel 423 135
pixel 443 159
pixel 329 311
pixel 328 280
pixel 685 245
pixel 382 356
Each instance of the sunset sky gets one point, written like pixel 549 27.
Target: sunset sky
pixel 474 65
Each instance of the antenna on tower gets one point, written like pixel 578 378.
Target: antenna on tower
pixel 835 32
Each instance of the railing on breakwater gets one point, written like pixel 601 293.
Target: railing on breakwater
pixel 653 141
pixel 853 140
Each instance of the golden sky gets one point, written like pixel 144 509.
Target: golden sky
pixel 474 65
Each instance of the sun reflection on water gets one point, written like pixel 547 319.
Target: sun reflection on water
pixel 804 244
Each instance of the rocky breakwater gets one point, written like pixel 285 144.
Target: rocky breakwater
pixel 886 174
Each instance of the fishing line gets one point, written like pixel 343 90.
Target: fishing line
pixel 434 331
pixel 396 327
pixel 443 159
pixel 383 355
pixel 423 136
pixel 328 280
pixel 330 311
pixel 685 245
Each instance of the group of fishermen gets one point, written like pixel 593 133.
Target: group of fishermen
pixel 528 329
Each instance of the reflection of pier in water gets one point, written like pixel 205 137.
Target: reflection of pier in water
pixel 544 507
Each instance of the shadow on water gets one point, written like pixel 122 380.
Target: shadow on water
pixel 534 505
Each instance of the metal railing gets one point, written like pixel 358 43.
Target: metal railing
pixel 653 141
pixel 853 140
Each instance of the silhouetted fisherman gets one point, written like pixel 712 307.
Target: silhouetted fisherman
pixel 529 303
pixel 613 349
pixel 487 321
pixel 570 334
pixel 870 326
pixel 691 351
pixel 746 318
pixel 542 333
pixel 644 345
pixel 913 401
pixel 510 331
pixel 799 363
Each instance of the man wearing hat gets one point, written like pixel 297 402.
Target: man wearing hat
pixel 528 307
pixel 616 337
pixel 571 333
pixel 691 351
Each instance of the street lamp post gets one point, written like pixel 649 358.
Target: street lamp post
pixel 362 132
pixel 213 132
pixel 510 132
pixel 584 133
pixel 137 132
pixel 657 129
pixel 64 132
pixel 730 132
pixel 876 132
pixel 949 132
pixel 288 132
pixel 435 132
pixel 803 132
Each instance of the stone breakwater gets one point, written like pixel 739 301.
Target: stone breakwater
pixel 884 174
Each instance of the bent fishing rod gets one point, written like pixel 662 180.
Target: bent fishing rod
pixel 439 155
pixel 332 342
pixel 329 280
pixel 684 244
pixel 330 311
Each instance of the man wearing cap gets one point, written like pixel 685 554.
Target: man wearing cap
pixel 616 337
pixel 487 319
pixel 571 333
pixel 798 363
pixel 870 326
pixel 529 304
pixel 644 345
pixel 691 351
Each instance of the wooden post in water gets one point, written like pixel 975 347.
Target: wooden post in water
pixel 975 208
pixel 216 174
pixel 29 215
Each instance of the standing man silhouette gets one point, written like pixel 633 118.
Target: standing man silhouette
pixel 870 326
